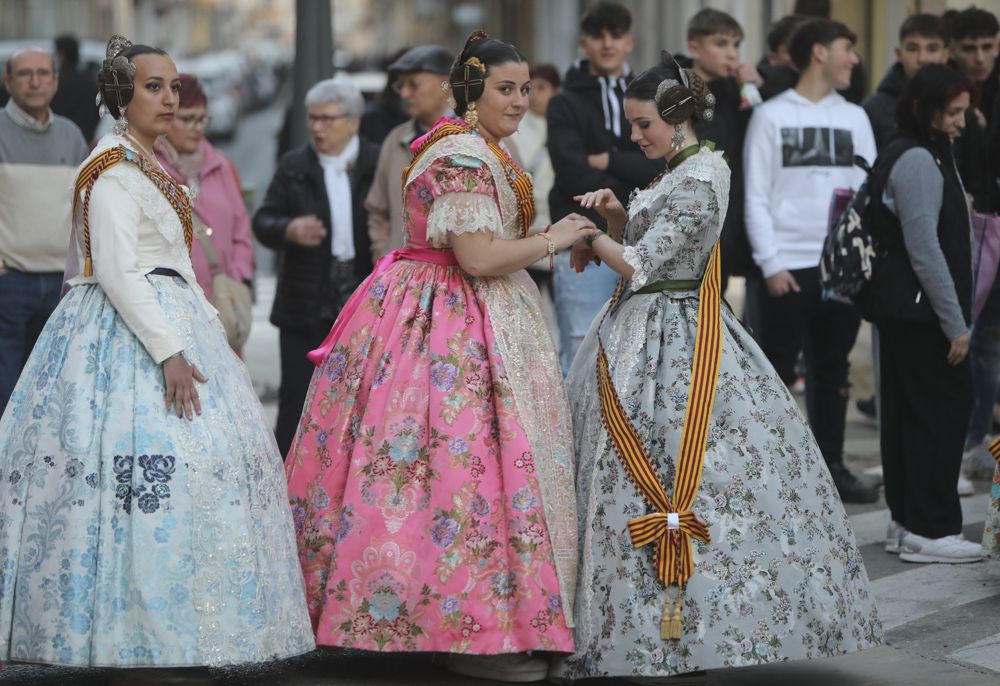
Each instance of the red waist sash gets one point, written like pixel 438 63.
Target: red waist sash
pixel 442 258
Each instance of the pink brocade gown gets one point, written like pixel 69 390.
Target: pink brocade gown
pixel 431 477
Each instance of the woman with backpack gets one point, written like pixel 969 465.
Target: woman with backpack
pixel 920 299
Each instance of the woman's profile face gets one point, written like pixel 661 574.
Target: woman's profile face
pixel 155 95
pixel 649 131
pixel 504 100
pixel 950 120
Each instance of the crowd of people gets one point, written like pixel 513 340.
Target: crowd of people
pixel 518 425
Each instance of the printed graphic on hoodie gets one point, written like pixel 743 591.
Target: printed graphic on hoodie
pixel 816 146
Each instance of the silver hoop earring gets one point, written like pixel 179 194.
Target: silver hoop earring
pixel 677 140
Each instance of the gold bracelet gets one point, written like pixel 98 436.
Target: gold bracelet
pixel 551 249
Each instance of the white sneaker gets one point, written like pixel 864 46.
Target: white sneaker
pixel 893 536
pixel 965 487
pixel 948 549
pixel 513 667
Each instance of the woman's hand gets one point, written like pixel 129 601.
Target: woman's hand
pixel 570 229
pixel 959 349
pixel 605 203
pixel 583 253
pixel 179 377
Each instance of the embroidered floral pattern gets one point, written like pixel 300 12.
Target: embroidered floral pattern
pixel 117 518
pixel 991 534
pixel 782 578
pixel 435 533
pixel 156 472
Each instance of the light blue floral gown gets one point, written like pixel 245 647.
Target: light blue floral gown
pixel 129 536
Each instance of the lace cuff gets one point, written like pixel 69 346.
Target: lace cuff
pixel 461 213
pixel 634 260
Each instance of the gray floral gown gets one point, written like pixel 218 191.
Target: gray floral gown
pixel 782 578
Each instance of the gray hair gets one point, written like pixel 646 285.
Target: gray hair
pixel 20 52
pixel 339 90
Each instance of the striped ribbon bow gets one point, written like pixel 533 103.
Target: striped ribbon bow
pixel 672 524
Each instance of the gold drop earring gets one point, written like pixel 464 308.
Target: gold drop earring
pixel 471 116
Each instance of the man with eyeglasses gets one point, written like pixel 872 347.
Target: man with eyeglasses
pixel 39 153
pixel 417 76
pixel 313 216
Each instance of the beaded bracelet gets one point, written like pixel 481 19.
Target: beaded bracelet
pixel 551 247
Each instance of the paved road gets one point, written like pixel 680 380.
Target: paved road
pixel 942 623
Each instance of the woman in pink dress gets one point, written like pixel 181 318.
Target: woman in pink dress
pixel 431 476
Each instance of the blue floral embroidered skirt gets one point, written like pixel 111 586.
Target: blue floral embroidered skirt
pixel 129 536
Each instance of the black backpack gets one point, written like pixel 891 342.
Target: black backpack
pixel 849 250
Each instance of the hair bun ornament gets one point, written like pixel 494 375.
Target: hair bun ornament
pixel 474 37
pixel 117 74
pixel 117 44
pixel 708 114
pixel 468 76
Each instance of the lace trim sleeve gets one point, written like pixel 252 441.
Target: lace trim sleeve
pixel 460 213
pixel 634 260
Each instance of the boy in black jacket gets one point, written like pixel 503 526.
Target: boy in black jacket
pixel 923 40
pixel 590 147
pixel 714 39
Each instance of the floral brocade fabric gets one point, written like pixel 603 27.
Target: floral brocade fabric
pixel 130 537
pixel 782 578
pixel 431 475
pixel 991 534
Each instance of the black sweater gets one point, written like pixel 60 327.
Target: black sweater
pixel 298 188
pixel 582 121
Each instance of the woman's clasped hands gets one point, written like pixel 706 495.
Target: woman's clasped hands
pixel 605 203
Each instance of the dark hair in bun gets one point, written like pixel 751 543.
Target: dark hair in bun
pixel 678 93
pixel 473 64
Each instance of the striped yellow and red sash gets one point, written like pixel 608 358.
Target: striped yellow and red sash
pixel 99 164
pixel 994 448
pixel 672 524
pixel 517 177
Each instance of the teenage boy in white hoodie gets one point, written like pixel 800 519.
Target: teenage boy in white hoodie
pixel 799 147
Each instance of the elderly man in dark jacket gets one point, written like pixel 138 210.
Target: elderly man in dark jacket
pixel 313 215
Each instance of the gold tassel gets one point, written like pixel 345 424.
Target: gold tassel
pixel 88 267
pixel 675 622
pixel 666 627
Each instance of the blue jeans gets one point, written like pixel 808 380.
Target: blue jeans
pixel 26 301
pixel 578 298
pixel 984 350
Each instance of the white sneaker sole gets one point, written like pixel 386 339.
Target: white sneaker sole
pixel 906 556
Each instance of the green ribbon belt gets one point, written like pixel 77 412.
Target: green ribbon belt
pixel 671 286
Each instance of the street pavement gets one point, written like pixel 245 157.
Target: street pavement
pixel 941 622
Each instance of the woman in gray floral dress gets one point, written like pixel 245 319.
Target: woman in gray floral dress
pixel 781 578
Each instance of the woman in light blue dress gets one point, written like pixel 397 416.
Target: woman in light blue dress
pixel 143 512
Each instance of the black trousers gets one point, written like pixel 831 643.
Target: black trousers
pixel 296 373
pixel 823 331
pixel 925 410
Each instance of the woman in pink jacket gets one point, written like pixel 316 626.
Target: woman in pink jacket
pixel 218 203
